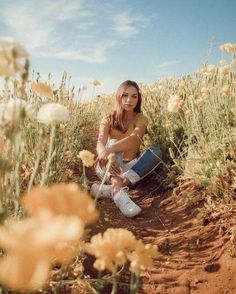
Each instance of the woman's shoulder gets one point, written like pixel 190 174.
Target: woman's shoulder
pixel 141 118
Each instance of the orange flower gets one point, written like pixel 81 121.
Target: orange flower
pixel 42 89
pixel 68 199
pixel 23 271
pixel 33 244
pixel 110 248
pixel 87 157
pixel 142 257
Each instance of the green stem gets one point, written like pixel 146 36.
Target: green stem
pixel 114 284
pixel 134 283
pixel 85 183
pixel 32 177
pixel 51 154
pixel 103 180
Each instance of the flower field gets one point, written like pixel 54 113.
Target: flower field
pixel 47 152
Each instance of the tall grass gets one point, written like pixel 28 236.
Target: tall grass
pixel 191 118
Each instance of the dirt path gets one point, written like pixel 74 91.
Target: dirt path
pixel 194 258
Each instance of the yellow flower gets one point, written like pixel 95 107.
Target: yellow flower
pixel 42 89
pixel 225 90
pixel 210 68
pixel 223 62
pixel 199 102
pixel 111 248
pixel 10 52
pixel 33 244
pixel 96 83
pixel 67 199
pixel 205 91
pixel 142 257
pixel 173 103
pixel 224 70
pixel 87 158
pixel 228 47
pixel 181 103
pixel 24 271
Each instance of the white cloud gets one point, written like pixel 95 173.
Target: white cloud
pixel 70 30
pixel 95 53
pixel 40 26
pixel 128 25
pixel 169 63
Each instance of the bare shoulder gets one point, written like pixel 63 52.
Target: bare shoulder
pixel 141 119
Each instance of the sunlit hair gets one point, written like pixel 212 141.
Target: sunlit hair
pixel 117 115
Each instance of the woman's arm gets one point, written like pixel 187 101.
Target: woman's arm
pixel 133 141
pixel 102 140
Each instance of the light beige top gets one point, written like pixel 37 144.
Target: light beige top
pixel 138 120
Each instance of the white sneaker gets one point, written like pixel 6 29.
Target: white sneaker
pixel 105 191
pixel 125 204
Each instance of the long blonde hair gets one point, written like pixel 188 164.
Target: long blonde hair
pixel 117 115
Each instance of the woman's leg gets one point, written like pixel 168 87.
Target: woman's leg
pixel 144 165
pixel 100 171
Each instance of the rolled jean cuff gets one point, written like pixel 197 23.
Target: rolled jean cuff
pixel 132 176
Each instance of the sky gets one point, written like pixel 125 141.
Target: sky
pixel 116 40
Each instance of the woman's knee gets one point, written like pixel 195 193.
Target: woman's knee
pixel 156 151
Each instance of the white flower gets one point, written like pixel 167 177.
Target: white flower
pixel 53 113
pixel 14 110
pixel 173 103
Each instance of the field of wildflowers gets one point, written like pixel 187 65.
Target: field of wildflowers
pixel 46 151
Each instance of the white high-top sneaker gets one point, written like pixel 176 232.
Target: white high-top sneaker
pixel 105 191
pixel 125 204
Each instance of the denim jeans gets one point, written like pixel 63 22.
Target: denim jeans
pixel 138 168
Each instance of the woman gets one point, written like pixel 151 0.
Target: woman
pixel 121 133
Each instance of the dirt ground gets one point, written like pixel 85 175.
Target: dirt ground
pixel 194 257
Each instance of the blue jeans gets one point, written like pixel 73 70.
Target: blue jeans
pixel 138 168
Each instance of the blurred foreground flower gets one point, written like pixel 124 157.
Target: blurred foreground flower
pixel 67 199
pixel 10 52
pixel 110 248
pixel 53 113
pixel 142 257
pixel 228 47
pixel 173 104
pixel 87 158
pixel 14 110
pixel 32 245
pixel 42 89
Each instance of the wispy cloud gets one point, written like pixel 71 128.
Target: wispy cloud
pixel 70 30
pixel 169 63
pixel 127 25
pixel 46 30
pixel 96 53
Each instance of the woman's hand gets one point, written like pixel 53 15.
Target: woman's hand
pixel 115 169
pixel 103 157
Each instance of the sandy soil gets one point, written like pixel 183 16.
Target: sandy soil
pixel 194 258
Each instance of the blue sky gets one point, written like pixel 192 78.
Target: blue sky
pixel 117 40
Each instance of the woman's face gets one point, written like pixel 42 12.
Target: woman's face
pixel 129 98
